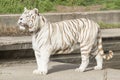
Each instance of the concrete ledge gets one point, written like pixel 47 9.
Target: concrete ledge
pixel 98 16
pixel 15 43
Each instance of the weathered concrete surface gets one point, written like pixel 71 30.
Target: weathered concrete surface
pixel 98 16
pixel 113 74
pixel 15 43
pixel 109 33
pixel 14 40
pixel 22 70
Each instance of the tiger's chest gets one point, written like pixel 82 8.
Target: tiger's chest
pixel 41 44
pixel 34 44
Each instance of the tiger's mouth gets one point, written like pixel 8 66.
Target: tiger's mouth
pixel 23 26
pixel 26 27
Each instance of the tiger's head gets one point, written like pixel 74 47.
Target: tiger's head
pixel 31 20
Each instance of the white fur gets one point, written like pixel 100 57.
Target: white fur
pixel 99 61
pixel 84 64
pixel 22 28
pixel 42 59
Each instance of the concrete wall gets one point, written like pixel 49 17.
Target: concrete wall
pixel 99 16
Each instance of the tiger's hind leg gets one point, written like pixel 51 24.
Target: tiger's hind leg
pixel 99 61
pixel 85 51
pixel 84 64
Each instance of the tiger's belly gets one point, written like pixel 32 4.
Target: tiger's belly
pixel 64 51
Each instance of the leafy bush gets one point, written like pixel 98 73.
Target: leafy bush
pixel 109 5
pixel 16 6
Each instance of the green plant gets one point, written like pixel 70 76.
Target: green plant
pixel 17 6
pixel 106 25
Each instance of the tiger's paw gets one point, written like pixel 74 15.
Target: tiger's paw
pixel 97 68
pixel 39 72
pixel 79 69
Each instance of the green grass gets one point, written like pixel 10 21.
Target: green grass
pixel 108 26
pixel 16 6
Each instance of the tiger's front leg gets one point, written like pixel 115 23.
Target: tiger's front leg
pixel 42 60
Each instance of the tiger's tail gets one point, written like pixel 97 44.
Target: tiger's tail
pixel 100 48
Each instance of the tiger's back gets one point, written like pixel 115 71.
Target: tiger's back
pixel 65 34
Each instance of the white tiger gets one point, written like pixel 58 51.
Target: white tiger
pixel 59 37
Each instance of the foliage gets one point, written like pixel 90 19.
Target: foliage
pixel 106 25
pixel 16 6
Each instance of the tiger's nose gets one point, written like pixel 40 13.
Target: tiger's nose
pixel 19 23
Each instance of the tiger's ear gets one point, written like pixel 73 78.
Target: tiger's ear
pixel 25 9
pixel 36 10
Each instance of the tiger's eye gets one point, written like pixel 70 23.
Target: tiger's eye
pixel 21 18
